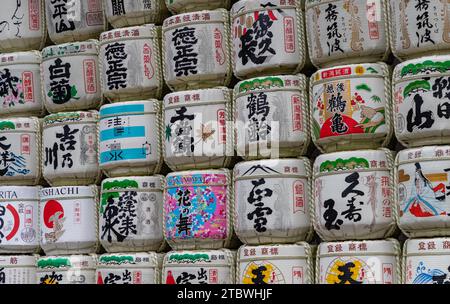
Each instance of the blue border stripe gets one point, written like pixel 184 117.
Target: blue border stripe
pixel 125 132
pixel 117 110
pixel 124 154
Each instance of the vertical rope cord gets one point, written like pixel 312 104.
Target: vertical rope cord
pixel 306 123
pixel 392 183
pixel 300 35
pixel 388 103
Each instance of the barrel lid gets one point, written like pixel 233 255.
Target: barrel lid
pixel 276 251
pixel 359 248
pixel 89 47
pixel 129 107
pixel 197 177
pixel 351 160
pixel 118 260
pixel 30 124
pixel 205 16
pixel 139 183
pixel 421 153
pixel 67 192
pixel 32 57
pixel 245 6
pixel 192 97
pixel 8 193
pixel 295 167
pixel 132 32
pixel 68 117
pixel 18 260
pixel 427 246
pixel 423 66
pixel 262 84
pixel 351 70
pixel 186 257
pixel 67 262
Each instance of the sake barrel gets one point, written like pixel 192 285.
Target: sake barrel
pixel 275 264
pixel 23 26
pixel 426 261
pixel 69 219
pixel 272 200
pixel 20 151
pixel 68 269
pixel 131 63
pixel 69 21
pixel 419 28
pixel 197 129
pixel 19 224
pixel 130 142
pixel 268 37
pixel 129 268
pixel 350 107
pixel 271 117
pixel 70 76
pixel 130 213
pixel 421 108
pixel 198 209
pixel 342 32
pixel 131 12
pixel 18 269
pixel 359 262
pixel 421 191
pixel 69 148
pixel 183 6
pixel 196 50
pixel 354 195
pixel 20 84
pixel 199 267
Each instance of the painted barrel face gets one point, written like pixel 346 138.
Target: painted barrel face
pixel 419 28
pixel 130 142
pixel 353 195
pixel 20 141
pixel 196 133
pixel 350 107
pixel 18 269
pixel 342 31
pixel 129 268
pixel 131 12
pixel 268 37
pixel 359 262
pixel 421 191
pixel 197 209
pixel 69 148
pixel 421 107
pixel 426 261
pixel 197 50
pixel 26 28
pixel 183 6
pixel 19 224
pixel 68 217
pixel 70 76
pixel 130 63
pixel 272 200
pixel 275 264
pixel 130 213
pixel 74 21
pixel 70 269
pixel 199 267
pixel 271 117
pixel 21 92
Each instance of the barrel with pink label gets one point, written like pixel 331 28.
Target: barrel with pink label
pixel 183 6
pixel 70 76
pixel 135 12
pixel 21 93
pixel 69 219
pixel 66 269
pixel 18 269
pixel 350 107
pixel 198 209
pixel 354 195
pixel 19 219
pixel 130 63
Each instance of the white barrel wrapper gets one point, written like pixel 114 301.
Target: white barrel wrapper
pixel 183 6
pixel 129 268
pixel 70 76
pixel 197 50
pixel 70 148
pixel 130 138
pixel 72 269
pixel 18 269
pixel 272 199
pixel 271 117
pixel 197 130
pixel 20 142
pixel 19 219
pixel 135 12
pixel 275 264
pixel 130 63
pixel 354 195
pixel 359 262
pixel 69 219
pixel 199 267
pixel 130 213
pixel 21 90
